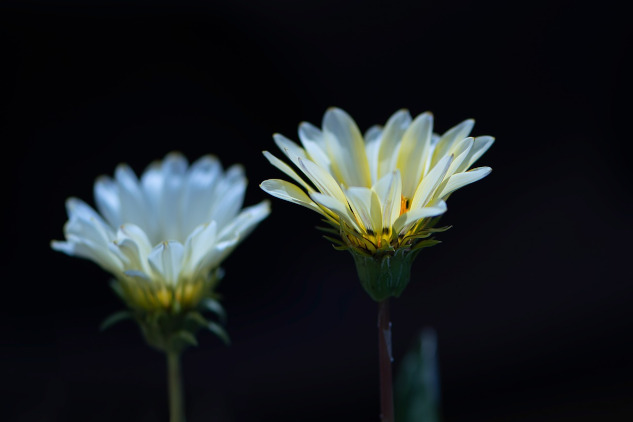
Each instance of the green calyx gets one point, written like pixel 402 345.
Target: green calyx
pixel 172 328
pixel 175 332
pixel 172 333
pixel 387 274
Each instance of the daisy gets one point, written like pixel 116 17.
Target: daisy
pixel 163 238
pixel 381 192
pixel 164 235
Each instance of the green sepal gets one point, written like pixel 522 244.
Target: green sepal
pixel 425 244
pixel 421 235
pixel 432 222
pixel 174 333
pixel 219 331
pixel 384 275
pixel 330 230
pixel 114 319
pixel 197 319
pixel 340 248
pixel 336 243
pixel 116 286
pixel 183 336
pixel 438 229
pixel 214 306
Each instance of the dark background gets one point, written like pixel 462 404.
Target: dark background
pixel 530 293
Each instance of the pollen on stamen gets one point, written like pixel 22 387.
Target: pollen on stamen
pixel 405 203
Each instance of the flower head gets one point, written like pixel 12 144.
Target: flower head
pixel 380 192
pixel 163 236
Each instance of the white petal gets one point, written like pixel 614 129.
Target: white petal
pixel 229 195
pixel 428 165
pixel 372 146
pixel 87 236
pixel 89 228
pixel 289 192
pixel 166 261
pixel 480 146
pixel 307 131
pixel 287 170
pixel 322 180
pixel 152 182
pixel 133 246
pixel 63 246
pixel 389 191
pixel 174 168
pixel 292 150
pixel 135 233
pixel 373 134
pixel 430 183
pixel 346 148
pixel 199 244
pixel 152 186
pixel 84 248
pixel 245 222
pixel 106 193
pixel 366 206
pixel 230 236
pixel 141 275
pixel 459 180
pixel 133 206
pixel 174 164
pixel 450 138
pixel 198 194
pixel 127 255
pixel 75 207
pixel 408 219
pixel 219 252
pixel 314 143
pixel 390 142
pixel 413 153
pixel 337 207
pixel 461 152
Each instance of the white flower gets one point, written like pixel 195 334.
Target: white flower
pixel 163 236
pixel 379 191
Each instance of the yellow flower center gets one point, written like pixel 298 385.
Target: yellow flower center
pixel 372 241
pixel 160 297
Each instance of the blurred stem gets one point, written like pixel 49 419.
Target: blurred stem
pixel 174 385
pixel 385 359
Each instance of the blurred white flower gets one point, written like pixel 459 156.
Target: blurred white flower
pixel 163 236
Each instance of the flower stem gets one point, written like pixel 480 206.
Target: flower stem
pixel 385 359
pixel 174 385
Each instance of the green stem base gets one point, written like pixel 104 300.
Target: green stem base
pixel 175 390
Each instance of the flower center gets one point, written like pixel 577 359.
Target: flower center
pixel 153 297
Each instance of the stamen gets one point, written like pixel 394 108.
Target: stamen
pixel 405 203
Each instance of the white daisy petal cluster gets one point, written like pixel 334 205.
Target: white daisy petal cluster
pixel 381 189
pixel 163 235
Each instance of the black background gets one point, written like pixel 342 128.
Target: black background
pixel 530 292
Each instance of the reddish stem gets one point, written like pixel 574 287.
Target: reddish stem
pixel 385 359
